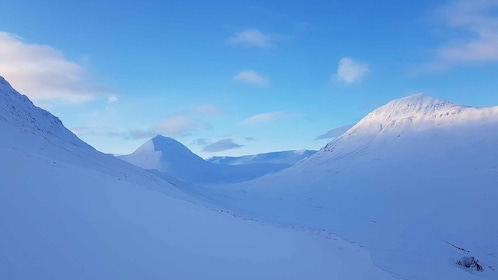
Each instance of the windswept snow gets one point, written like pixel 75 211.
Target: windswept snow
pixel 70 212
pixel 406 193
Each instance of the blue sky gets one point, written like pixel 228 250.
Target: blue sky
pixel 242 77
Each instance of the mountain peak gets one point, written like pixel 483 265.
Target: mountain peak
pixel 411 117
pixel 415 106
pixel 166 148
pixel 167 144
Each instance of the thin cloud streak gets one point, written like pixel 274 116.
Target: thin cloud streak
pixel 479 19
pixel 177 125
pixel 222 145
pixel 209 110
pixel 251 38
pixel 264 117
pixel 251 77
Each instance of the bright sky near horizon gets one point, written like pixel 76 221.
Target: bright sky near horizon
pixel 241 77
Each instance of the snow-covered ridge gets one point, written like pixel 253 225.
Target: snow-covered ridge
pixel 415 114
pixel 31 130
pixel 414 106
pixel 68 211
pixel 17 109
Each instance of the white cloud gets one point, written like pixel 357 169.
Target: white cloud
pixel 209 110
pixel 177 125
pixel 251 38
pixel 351 71
pixel 43 73
pixel 264 117
pixel 112 99
pixel 251 77
pixel 222 145
pixel 479 19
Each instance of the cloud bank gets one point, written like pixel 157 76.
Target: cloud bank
pixel 478 18
pixel 43 73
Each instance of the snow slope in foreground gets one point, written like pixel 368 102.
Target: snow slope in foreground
pixel 412 182
pixel 70 212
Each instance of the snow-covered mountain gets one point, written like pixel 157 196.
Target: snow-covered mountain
pixel 27 129
pixel 172 158
pixel 68 211
pixel 284 157
pixel 407 193
pixel 415 182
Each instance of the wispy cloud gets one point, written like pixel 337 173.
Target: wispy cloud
pixel 251 77
pixel 351 71
pixel 251 38
pixel 95 131
pixel 480 19
pixel 476 23
pixel 264 117
pixel 177 125
pixel 200 142
pixel 222 145
pixel 209 110
pixel 336 132
pixel 140 134
pixel 112 99
pixel 43 73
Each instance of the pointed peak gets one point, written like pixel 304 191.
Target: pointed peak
pixel 164 140
pixel 162 137
pixel 164 144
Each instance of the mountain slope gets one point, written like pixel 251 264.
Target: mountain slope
pixel 412 182
pixel 69 212
pixel 170 157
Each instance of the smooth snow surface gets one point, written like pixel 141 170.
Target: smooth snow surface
pixel 69 212
pixel 172 158
pixel 412 182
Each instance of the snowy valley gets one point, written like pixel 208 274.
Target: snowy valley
pixel 407 193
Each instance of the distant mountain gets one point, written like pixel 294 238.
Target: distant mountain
pixel 172 158
pixel 284 157
pixel 415 182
